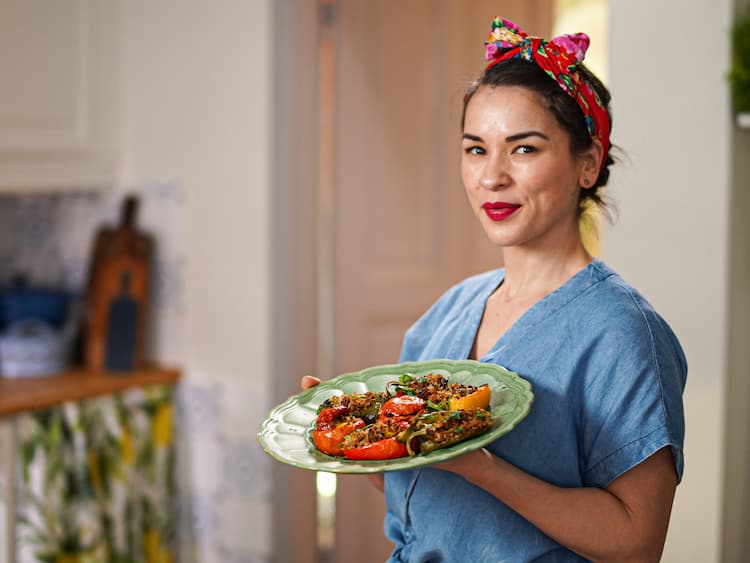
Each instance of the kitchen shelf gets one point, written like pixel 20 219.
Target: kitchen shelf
pixel 18 395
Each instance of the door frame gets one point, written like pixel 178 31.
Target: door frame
pixel 294 272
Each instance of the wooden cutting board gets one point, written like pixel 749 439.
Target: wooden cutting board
pixel 117 295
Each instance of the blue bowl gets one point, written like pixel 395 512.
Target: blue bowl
pixel 22 303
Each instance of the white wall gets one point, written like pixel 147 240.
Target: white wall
pixel 196 83
pixel 672 117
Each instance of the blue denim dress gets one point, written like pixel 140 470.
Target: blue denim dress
pixel 608 375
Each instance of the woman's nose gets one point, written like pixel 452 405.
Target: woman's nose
pixel 495 174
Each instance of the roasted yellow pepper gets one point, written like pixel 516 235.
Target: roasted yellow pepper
pixel 479 399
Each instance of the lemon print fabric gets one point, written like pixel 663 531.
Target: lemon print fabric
pixel 96 480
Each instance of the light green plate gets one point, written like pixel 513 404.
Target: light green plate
pixel 286 433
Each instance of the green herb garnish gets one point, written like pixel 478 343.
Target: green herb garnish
pixel 441 406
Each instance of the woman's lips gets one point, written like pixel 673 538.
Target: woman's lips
pixel 499 210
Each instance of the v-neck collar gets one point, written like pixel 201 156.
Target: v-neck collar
pixel 593 272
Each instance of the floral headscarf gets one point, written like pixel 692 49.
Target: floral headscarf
pixel 559 58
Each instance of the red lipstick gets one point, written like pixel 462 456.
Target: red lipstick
pixel 499 210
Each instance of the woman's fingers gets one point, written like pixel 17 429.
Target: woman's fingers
pixel 308 381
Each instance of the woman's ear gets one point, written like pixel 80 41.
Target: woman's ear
pixel 591 164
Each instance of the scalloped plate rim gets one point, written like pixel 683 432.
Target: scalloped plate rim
pixel 338 465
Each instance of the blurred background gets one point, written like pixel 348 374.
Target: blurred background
pixel 297 162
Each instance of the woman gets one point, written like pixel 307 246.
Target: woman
pixel 591 472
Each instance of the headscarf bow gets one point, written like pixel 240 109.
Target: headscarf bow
pixel 559 58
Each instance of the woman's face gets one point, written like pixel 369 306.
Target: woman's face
pixel 520 175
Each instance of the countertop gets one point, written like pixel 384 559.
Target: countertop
pixel 34 393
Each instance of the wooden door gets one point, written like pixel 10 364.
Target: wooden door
pixel 403 232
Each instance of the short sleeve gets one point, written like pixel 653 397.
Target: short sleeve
pixel 633 401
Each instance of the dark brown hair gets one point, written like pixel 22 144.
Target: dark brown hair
pixel 520 72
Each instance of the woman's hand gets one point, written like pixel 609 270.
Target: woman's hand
pixel 467 464
pixel 308 381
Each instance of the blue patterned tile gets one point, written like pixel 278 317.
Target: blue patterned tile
pixel 198 519
pixel 246 470
pixel 198 408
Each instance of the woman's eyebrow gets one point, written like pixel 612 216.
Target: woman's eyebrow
pixel 525 134
pixel 508 139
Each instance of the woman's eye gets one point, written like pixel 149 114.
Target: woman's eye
pixel 525 149
pixel 474 150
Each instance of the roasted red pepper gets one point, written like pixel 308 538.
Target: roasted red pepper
pixel 329 416
pixel 401 409
pixel 389 448
pixel 330 429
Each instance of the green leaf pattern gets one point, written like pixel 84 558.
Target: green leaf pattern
pixel 97 480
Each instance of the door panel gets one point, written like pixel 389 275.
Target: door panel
pixel 403 230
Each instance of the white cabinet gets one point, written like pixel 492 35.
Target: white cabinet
pixel 58 101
